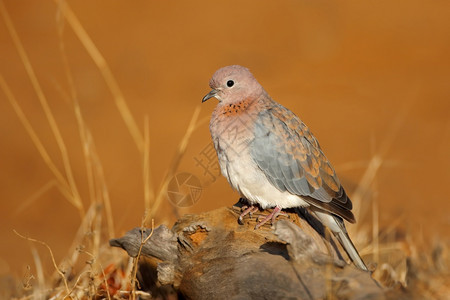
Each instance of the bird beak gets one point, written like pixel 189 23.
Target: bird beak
pixel 210 95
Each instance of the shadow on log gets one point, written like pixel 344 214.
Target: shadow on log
pixel 211 256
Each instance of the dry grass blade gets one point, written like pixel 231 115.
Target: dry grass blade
pixel 86 142
pixel 39 292
pixel 25 204
pixel 382 248
pixel 97 231
pixel 352 165
pixel 138 293
pixel 377 160
pixel 76 199
pixel 73 253
pixel 103 190
pixel 149 194
pixel 201 122
pixel 365 183
pixel 97 185
pixel 100 62
pixel 392 227
pixel 65 189
pixel 375 227
pixel 175 163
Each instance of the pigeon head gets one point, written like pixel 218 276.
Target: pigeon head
pixel 233 84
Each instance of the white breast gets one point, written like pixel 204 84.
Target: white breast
pixel 249 180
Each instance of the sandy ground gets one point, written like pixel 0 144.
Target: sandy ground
pixel 370 78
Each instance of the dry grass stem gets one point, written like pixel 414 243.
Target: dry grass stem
pixel 75 285
pixel 106 72
pixel 97 231
pixel 34 137
pixel 98 190
pixel 377 160
pixel 103 191
pixel 383 248
pixel 392 227
pixel 75 199
pixel 201 122
pixel 375 214
pixel 96 180
pixel 375 229
pixel 63 277
pixel 87 145
pixel 91 227
pixel 86 141
pixel 39 272
pixel 138 293
pixel 175 163
pixel 136 259
pixel 105 281
pixel 73 253
pixel 30 200
pixel 149 193
pixel 364 184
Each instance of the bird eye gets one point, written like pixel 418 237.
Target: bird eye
pixel 230 83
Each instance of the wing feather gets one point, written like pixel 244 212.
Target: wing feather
pixel 291 158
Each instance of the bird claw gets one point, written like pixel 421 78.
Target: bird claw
pixel 248 210
pixel 272 216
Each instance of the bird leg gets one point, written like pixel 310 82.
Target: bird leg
pixel 272 216
pixel 248 210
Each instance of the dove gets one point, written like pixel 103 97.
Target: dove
pixel 271 157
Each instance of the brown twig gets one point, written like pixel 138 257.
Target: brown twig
pixel 63 277
pixel 136 260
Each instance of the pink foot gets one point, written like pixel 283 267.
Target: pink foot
pixel 272 216
pixel 248 210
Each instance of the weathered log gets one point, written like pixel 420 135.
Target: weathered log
pixel 211 256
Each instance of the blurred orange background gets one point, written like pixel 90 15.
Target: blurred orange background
pixel 368 77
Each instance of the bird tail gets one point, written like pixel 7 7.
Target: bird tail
pixel 348 246
pixel 337 226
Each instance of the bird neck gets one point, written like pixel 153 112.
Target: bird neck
pixel 236 107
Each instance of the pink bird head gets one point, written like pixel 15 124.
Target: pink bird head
pixel 233 84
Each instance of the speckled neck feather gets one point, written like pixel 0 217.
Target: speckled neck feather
pixel 235 108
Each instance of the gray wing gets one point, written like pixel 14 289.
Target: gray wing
pixel 291 158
